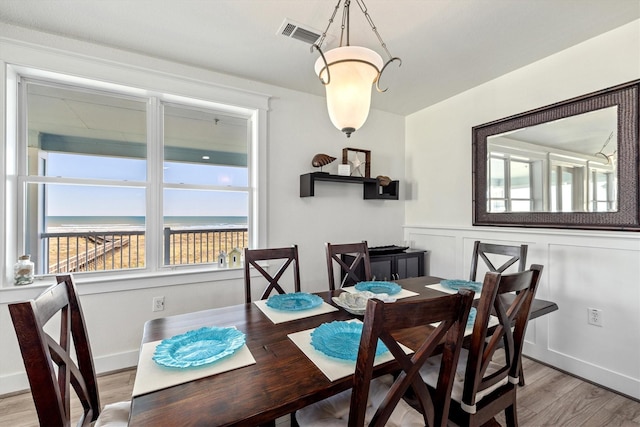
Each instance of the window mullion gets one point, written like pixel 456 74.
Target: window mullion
pixel 507 183
pixel 154 210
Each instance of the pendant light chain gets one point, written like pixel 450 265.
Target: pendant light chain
pixel 345 21
pixel 345 24
pixel 324 34
pixel 363 8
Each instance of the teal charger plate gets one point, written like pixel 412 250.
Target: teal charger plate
pixel 198 347
pixel 341 340
pixel 294 302
pixel 458 284
pixel 376 287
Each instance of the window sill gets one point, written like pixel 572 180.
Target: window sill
pixel 89 284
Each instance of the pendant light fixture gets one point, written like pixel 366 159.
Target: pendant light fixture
pixel 348 72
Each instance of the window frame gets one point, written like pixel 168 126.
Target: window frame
pixel 508 199
pixel 255 114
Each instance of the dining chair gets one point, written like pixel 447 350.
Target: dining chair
pixel 516 253
pixel 49 362
pixel 379 401
pixel 357 271
pixel 489 369
pixel 252 257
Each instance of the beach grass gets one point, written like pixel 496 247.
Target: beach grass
pixel 83 253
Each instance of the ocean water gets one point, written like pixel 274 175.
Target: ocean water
pixel 57 223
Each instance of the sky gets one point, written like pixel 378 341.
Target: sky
pixel 76 200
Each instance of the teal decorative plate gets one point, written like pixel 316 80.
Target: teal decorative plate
pixel 294 302
pixel 198 347
pixel 388 288
pixel 341 340
pixel 458 284
pixel 472 317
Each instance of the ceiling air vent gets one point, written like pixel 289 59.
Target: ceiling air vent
pixel 297 31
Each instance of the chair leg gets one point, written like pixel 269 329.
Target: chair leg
pixel 521 374
pixel 294 422
pixel 511 415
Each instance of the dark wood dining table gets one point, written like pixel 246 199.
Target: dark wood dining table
pixel 281 381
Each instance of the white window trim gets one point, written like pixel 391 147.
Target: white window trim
pixel 34 61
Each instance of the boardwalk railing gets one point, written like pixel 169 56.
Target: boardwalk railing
pixel 116 250
pixel 195 246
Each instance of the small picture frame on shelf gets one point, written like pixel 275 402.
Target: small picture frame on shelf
pixel 359 160
pixel 344 170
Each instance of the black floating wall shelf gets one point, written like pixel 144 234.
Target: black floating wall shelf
pixel 371 187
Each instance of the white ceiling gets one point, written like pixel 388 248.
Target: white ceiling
pixel 447 46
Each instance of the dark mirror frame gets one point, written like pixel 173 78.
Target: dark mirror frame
pixel 625 96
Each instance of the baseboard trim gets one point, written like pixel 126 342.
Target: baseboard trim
pixel 587 380
pixel 18 383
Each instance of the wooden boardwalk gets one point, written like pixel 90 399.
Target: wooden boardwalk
pixel 81 262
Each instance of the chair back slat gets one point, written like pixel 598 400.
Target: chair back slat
pixel 381 320
pixel 252 257
pixel 51 387
pixel 516 254
pixel 357 271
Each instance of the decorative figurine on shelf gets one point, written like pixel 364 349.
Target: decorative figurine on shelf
pixel 356 163
pixel 235 258
pixel 383 180
pixel 320 160
pixel 222 259
pixel 344 170
pixel 359 167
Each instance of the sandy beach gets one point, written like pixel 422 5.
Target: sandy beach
pixel 128 251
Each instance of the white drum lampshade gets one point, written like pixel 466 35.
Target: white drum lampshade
pixel 352 72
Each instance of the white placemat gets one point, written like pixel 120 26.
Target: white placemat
pixel 151 377
pixel 280 316
pixel 333 368
pixel 439 287
pixel 404 293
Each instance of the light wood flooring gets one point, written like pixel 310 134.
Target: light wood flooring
pixel 550 398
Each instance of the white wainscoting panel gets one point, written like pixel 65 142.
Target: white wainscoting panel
pixel 440 261
pixel 582 269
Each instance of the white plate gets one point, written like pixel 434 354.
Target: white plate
pixel 356 303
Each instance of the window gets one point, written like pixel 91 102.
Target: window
pixel 509 184
pixel 567 188
pixel 603 191
pixel 120 179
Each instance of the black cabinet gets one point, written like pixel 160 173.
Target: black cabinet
pixel 410 263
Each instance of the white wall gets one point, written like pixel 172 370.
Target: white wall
pixel 582 269
pixel 298 127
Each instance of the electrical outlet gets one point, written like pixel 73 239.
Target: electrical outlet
pixel 158 304
pixel 594 316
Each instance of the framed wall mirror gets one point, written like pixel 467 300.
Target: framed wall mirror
pixel 573 164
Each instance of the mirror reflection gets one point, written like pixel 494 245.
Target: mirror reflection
pixel 565 165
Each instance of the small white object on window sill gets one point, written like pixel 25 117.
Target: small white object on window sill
pixel 235 256
pixel 23 271
pixel 222 260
